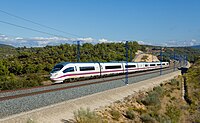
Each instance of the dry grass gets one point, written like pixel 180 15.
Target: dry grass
pixel 162 104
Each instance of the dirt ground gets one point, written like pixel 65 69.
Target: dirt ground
pixel 143 57
pixel 169 106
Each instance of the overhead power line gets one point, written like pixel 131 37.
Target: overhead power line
pixel 31 29
pixel 42 25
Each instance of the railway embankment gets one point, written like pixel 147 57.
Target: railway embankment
pixel 63 111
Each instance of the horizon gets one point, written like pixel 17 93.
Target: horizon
pixel 32 46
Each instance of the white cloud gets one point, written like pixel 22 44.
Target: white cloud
pixel 103 40
pixel 144 43
pixel 18 38
pixel 140 42
pixel 88 40
pixel 175 43
pixel 194 40
pixel 44 41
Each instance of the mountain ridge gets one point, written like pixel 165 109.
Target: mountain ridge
pixel 6 46
pixel 196 46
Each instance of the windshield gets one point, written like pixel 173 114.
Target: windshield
pixel 57 68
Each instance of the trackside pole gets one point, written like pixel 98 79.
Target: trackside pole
pixel 126 78
pixel 160 60
pixel 78 51
pixel 174 61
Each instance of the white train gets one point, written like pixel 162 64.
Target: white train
pixel 66 70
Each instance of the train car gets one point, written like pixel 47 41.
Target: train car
pixel 66 71
pixel 131 66
pixel 111 68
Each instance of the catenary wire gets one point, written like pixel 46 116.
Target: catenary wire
pixel 31 29
pixel 42 25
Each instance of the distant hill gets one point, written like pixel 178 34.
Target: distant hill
pixel 6 46
pixel 197 46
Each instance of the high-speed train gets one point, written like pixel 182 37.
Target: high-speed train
pixel 67 71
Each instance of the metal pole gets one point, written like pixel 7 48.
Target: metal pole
pixel 126 79
pixel 78 51
pixel 160 60
pixel 174 61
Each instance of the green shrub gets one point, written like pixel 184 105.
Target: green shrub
pixel 174 82
pixel 146 118
pixel 115 114
pixel 151 99
pixel 86 116
pixel 159 90
pixel 13 82
pixel 130 114
pixel 173 112
pixel 155 108
pixel 163 119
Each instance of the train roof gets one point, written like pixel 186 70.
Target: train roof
pixel 65 63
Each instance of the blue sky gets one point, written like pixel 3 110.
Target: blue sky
pixel 150 21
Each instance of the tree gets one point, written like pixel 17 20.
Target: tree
pixel 3 69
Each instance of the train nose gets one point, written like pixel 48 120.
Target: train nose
pixel 55 79
pixel 53 75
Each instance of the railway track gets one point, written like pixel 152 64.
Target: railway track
pixel 12 94
pixel 27 99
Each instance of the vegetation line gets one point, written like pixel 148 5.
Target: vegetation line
pixel 186 96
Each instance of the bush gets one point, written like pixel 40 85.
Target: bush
pixel 159 90
pixel 115 114
pixel 151 99
pixel 12 82
pixel 147 118
pixel 163 119
pixel 86 116
pixel 130 114
pixel 173 112
pixel 174 82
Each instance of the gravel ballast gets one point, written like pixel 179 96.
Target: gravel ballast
pixel 24 104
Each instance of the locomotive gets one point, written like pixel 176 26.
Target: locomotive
pixel 68 70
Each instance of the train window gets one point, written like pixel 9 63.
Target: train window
pixel 87 68
pixel 158 64
pixel 57 68
pixel 70 69
pixel 163 64
pixel 152 64
pixel 113 67
pixel 146 65
pixel 130 66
